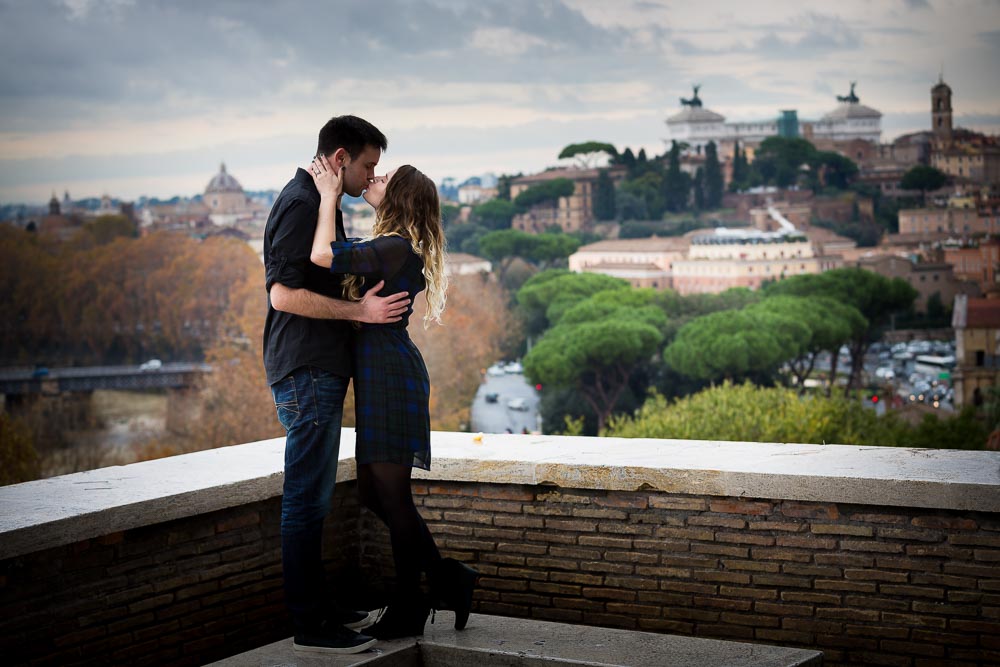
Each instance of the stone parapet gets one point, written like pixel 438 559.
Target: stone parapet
pixel 868 554
pixel 65 509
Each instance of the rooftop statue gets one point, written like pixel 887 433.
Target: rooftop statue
pixel 852 98
pixel 695 101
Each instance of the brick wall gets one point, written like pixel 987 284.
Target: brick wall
pixel 183 592
pixel 864 584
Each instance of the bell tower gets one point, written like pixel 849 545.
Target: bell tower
pixel 941 113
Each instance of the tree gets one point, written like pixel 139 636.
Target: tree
pixel 740 170
pixel 627 158
pixel 503 185
pixel 698 187
pixel 756 414
pixel 876 297
pixel 604 197
pixel 544 192
pixel 504 245
pixel 449 214
pixel 545 249
pixel 735 343
pixel 937 312
pixel 833 170
pixel 923 178
pixel 107 228
pixel 479 328
pixel 465 238
pixel 713 181
pixel 747 413
pixel 641 198
pixel 18 458
pixel 830 324
pixel 588 152
pixel 779 160
pixel 676 184
pixel 606 303
pixel 547 295
pixel 494 214
pixel 594 357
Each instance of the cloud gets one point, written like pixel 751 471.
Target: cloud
pixel 917 4
pixel 114 79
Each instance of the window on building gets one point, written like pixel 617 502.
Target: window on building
pixel 980 358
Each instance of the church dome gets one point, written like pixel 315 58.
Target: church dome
pixel 223 182
pixel 695 115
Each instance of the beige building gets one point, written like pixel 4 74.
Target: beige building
pixel 928 278
pixel 723 260
pixel 977 349
pixel 475 194
pixel 977 263
pixel 464 264
pixel 642 262
pixel 979 163
pixel 571 213
pixel 714 262
pixel 952 221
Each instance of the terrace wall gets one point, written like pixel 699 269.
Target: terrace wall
pixel 873 555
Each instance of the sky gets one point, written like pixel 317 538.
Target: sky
pixel 148 97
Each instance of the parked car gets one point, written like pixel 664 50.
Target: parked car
pixel 885 373
pixel 518 404
pixel 514 367
pixel 492 397
pixel 151 365
pixel 496 370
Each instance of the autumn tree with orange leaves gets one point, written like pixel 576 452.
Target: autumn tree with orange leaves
pixel 115 299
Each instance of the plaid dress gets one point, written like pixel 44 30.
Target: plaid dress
pixel 391 387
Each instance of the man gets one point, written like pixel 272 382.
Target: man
pixel 307 355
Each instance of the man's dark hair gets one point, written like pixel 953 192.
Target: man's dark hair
pixel 352 134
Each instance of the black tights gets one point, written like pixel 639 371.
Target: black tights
pixel 384 488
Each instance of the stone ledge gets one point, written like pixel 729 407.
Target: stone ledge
pixel 495 641
pixel 62 510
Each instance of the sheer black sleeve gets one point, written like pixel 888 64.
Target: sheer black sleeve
pixel 383 256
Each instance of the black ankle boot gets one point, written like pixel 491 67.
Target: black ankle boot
pixel 452 584
pixel 404 617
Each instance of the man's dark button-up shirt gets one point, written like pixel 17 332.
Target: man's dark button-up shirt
pixel 292 341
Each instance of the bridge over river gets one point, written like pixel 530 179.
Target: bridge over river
pixel 22 381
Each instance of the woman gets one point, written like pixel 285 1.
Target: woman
pixel 391 386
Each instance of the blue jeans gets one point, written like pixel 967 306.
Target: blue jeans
pixel 310 405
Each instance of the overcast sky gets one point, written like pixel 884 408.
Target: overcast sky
pixel 132 97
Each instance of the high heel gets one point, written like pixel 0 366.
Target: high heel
pixel 404 617
pixel 452 585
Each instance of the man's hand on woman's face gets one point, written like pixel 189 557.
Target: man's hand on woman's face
pixel 329 181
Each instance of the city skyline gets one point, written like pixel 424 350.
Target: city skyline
pixel 133 98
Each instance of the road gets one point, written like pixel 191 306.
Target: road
pixel 497 417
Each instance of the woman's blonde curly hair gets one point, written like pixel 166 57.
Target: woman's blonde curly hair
pixel 411 210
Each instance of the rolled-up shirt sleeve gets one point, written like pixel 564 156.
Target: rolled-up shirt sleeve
pixel 291 246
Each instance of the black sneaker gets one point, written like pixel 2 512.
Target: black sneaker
pixel 330 638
